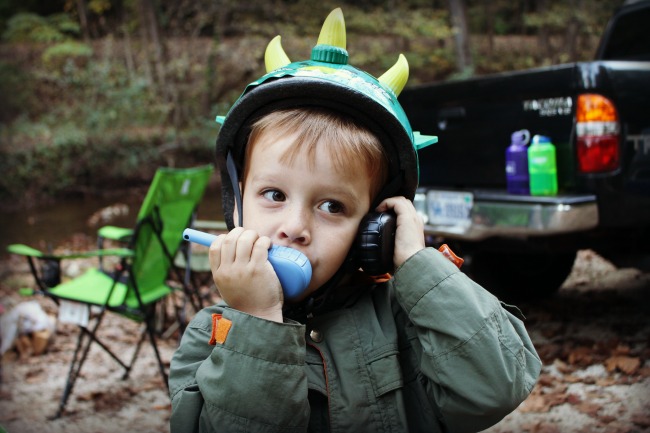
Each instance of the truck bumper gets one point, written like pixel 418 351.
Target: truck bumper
pixel 493 213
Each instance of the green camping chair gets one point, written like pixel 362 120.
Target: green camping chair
pixel 139 281
pixel 196 264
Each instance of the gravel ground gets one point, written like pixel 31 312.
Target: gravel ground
pixel 593 337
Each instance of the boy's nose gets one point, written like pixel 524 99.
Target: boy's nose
pixel 295 227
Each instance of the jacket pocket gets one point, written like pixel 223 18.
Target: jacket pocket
pixel 385 370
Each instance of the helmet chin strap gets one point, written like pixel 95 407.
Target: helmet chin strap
pixel 234 180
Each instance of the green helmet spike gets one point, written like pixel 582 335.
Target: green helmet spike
pixel 325 80
pixel 333 30
pixel 396 77
pixel 331 45
pixel 275 57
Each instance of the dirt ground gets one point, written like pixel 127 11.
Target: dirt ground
pixel 593 337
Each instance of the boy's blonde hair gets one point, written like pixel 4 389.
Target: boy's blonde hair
pixel 349 144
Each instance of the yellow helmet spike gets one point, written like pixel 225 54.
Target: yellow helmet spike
pixel 275 57
pixel 333 30
pixel 395 78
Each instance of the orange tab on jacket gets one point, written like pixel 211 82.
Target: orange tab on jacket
pixel 377 279
pixel 220 329
pixel 447 252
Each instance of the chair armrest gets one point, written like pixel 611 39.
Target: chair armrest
pixel 210 225
pixel 24 250
pixel 115 233
pixel 114 252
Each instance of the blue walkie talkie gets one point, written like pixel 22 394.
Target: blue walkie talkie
pixel 291 266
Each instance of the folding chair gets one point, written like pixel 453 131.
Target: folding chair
pixel 196 264
pixel 139 280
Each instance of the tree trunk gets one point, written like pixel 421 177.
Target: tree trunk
pixel 461 35
pixel 128 52
pixel 544 35
pixel 488 9
pixel 83 19
pixel 151 27
pixel 573 30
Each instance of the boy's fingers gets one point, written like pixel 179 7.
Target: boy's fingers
pixel 226 249
pixel 394 203
pixel 244 248
pixel 260 252
pixel 214 254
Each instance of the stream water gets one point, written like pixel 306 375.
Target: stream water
pixel 56 224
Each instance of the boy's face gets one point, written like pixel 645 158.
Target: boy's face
pixel 314 207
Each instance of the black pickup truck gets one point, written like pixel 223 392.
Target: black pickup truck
pixel 597 114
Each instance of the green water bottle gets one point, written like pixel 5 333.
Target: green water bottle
pixel 542 167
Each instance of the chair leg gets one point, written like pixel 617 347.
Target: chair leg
pixel 152 339
pixel 69 384
pixel 75 366
pixel 135 354
pixel 150 331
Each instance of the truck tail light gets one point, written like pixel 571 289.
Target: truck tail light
pixel 597 132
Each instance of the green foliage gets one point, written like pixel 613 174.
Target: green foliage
pixel 29 27
pixel 65 24
pixel 67 157
pixel 99 7
pixel 16 90
pixel 422 23
pixel 40 170
pixel 554 18
pixel 68 53
pixel 101 128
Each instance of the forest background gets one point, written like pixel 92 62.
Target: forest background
pixel 96 94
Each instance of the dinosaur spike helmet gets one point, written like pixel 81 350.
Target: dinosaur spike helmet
pixel 325 80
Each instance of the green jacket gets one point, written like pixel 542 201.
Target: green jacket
pixel 430 350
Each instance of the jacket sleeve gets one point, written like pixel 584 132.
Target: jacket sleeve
pixel 254 381
pixel 477 359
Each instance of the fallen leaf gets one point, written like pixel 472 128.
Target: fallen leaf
pixel 606 381
pixel 608 346
pixel 546 380
pixel 589 380
pixel 574 399
pixel 540 427
pixel 535 404
pixel 641 420
pixel 569 378
pixel 644 372
pixel 606 419
pixel 581 356
pixel 626 364
pixel 549 352
pixel 621 349
pixel 563 367
pixel 590 409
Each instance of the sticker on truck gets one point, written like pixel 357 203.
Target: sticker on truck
pixel 548 107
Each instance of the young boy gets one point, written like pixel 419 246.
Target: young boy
pixel 306 152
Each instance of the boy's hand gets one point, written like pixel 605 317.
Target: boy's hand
pixel 245 278
pixel 409 234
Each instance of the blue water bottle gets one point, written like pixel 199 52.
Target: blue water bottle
pixel 517 177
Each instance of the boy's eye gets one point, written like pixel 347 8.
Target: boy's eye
pixel 274 195
pixel 332 207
